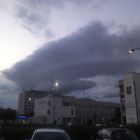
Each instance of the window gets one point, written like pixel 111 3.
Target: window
pixel 48 112
pixel 128 90
pixel 49 103
pixel 72 112
pixel 66 104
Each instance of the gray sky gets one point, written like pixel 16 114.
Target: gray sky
pixel 79 43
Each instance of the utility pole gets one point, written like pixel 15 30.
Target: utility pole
pixel 54 86
pixel 84 93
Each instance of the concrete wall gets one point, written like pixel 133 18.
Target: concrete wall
pixel 21 103
pixel 130 99
pixel 137 89
pixel 57 112
pixel 26 101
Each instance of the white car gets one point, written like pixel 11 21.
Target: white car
pixel 50 134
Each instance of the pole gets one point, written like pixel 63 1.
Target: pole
pixel 52 85
pixel 53 97
pixel 54 106
pixel 54 109
pixel 84 93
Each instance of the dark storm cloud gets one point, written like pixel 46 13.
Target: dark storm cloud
pixel 8 87
pixel 89 52
pixel 111 95
pixel 76 85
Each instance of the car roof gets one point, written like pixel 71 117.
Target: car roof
pixel 108 131
pixel 112 129
pixel 49 130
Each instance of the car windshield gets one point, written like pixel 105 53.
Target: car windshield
pixel 123 135
pixel 51 136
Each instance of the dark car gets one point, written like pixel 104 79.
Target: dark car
pixel 50 134
pixel 116 134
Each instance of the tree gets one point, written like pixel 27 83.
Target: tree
pixel 117 116
pixel 7 114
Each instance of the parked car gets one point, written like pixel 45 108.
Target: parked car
pixel 116 134
pixel 50 134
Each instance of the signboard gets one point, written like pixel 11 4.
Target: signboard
pixel 23 117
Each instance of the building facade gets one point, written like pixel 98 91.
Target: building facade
pixel 26 101
pixel 53 109
pixel 122 102
pixel 130 97
pixel 64 109
pixel 89 111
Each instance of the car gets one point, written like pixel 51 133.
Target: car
pixel 116 134
pixel 50 134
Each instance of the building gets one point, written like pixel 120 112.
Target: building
pixel 122 102
pixel 130 97
pixel 90 111
pixel 65 109
pixel 54 109
pixel 26 101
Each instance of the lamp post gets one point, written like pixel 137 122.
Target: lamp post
pixel 56 84
pixel 133 50
pixel 54 91
pixel 31 104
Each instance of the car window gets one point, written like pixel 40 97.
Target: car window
pixel 50 136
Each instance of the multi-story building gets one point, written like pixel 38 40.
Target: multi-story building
pixel 91 111
pixel 130 97
pixel 66 109
pixel 26 101
pixel 53 109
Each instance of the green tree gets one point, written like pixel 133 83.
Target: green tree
pixel 7 114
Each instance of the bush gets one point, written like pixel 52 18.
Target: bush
pixel 135 128
pixel 81 133
pixel 15 133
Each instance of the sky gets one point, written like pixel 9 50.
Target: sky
pixel 82 44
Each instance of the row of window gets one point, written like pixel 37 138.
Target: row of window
pixel 71 112
pixel 92 113
pixel 83 105
pixel 97 106
pixel 87 105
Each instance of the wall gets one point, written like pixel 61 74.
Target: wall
pixel 130 100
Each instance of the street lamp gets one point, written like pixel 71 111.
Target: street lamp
pixel 133 49
pixel 30 103
pixel 55 86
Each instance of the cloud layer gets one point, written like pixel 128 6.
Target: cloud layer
pixel 8 92
pixel 91 51
pixel 88 55
pixel 41 16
